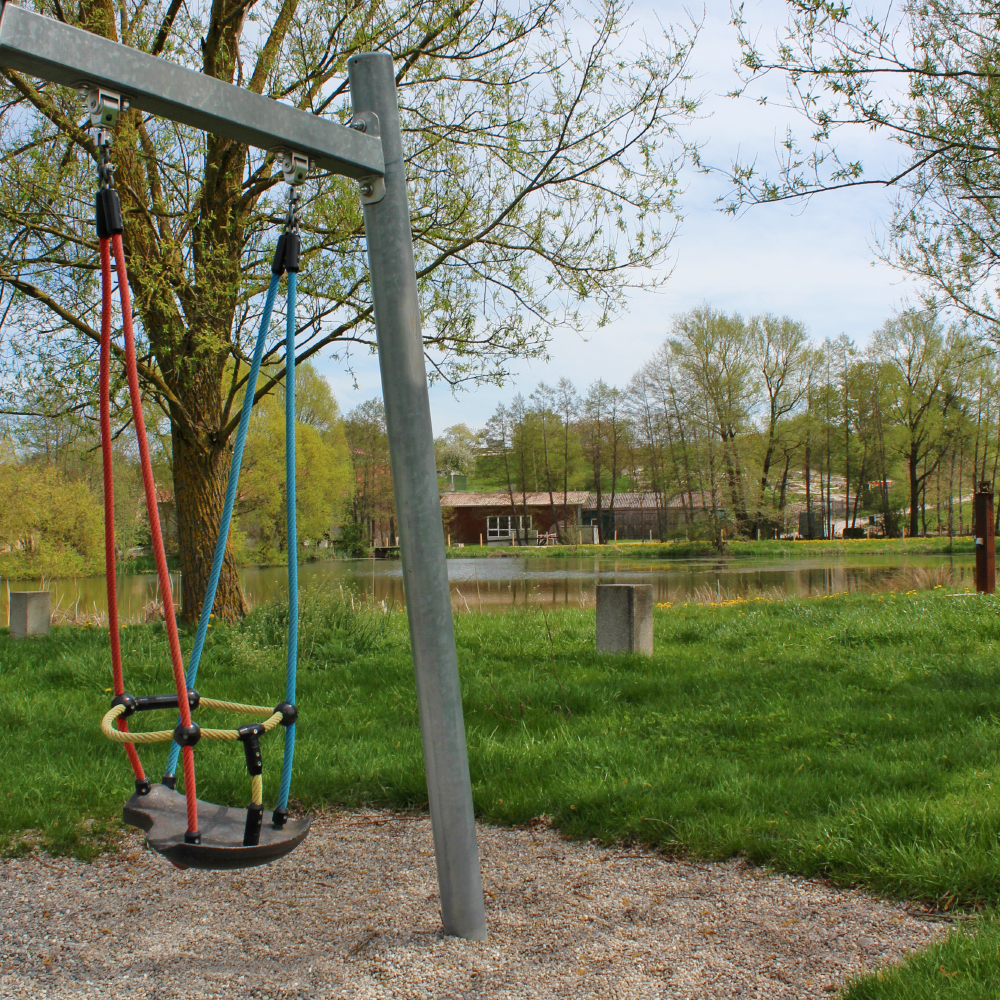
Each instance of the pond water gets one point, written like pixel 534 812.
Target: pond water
pixel 498 583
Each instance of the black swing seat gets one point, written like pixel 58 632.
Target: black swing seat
pixel 162 814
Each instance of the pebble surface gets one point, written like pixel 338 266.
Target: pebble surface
pixel 354 913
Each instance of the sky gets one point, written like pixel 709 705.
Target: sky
pixel 814 262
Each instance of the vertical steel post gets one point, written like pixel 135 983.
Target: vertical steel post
pixel 982 517
pixel 418 508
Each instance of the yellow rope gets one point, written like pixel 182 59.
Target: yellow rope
pixel 165 735
pixel 234 706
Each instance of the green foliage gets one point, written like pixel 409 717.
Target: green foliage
pixel 322 466
pixel 353 540
pixel 49 524
pixel 373 505
pixel 925 78
pixel 737 549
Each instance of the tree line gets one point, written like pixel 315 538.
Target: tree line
pixel 742 422
pixel 51 486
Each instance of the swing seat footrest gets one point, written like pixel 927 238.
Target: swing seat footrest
pixel 162 814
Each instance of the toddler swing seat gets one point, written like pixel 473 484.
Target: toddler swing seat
pixel 162 814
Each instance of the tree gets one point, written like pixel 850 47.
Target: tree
pixel 48 522
pixel 499 459
pixel 715 352
pixel 543 407
pixel 531 134
pixel 323 475
pixel 926 76
pixel 651 435
pixel 918 362
pixel 603 430
pixel 783 358
pixel 567 404
pixel 455 450
pixel 372 503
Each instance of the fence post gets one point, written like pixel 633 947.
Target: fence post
pixel 982 514
pixel 415 485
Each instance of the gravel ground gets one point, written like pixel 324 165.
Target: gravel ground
pixel 354 913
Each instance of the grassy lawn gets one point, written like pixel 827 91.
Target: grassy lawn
pixel 853 738
pixel 837 548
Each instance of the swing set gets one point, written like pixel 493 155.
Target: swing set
pixel 189 832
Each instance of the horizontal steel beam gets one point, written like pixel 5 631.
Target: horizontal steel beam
pixel 45 48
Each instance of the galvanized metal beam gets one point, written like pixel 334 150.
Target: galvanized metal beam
pixel 59 53
pixel 418 507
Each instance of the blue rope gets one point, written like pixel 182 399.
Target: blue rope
pixel 227 510
pixel 293 542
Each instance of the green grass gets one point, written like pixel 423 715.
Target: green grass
pixel 965 966
pixel 853 738
pixel 736 549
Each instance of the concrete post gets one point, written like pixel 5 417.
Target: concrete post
pixel 421 535
pixel 30 611
pixel 625 618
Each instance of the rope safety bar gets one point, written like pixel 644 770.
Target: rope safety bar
pixel 162 735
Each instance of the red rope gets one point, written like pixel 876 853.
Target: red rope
pixel 154 527
pixel 109 498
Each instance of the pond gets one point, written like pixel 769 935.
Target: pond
pixel 495 584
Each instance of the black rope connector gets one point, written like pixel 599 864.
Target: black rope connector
pixel 255 820
pixel 187 736
pixel 130 703
pixel 292 249
pixel 278 263
pixel 153 702
pixel 192 838
pixel 108 214
pixel 286 254
pixel 169 781
pixel 250 738
pixel 279 818
pixel 142 786
pixel 289 713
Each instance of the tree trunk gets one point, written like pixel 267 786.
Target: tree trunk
pixel 199 492
pixel 914 496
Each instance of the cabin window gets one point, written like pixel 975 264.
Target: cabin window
pixel 508 526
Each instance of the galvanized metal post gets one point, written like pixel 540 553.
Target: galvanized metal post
pixel 418 508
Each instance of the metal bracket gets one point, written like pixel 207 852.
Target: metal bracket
pixel 295 166
pixel 372 189
pixel 104 105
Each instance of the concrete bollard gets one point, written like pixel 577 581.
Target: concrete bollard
pixel 29 613
pixel 625 618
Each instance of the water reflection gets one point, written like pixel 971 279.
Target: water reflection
pixel 496 584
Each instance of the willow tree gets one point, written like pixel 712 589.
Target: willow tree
pixel 542 150
pixel 924 75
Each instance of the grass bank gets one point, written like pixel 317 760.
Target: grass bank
pixel 853 738
pixel 837 548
